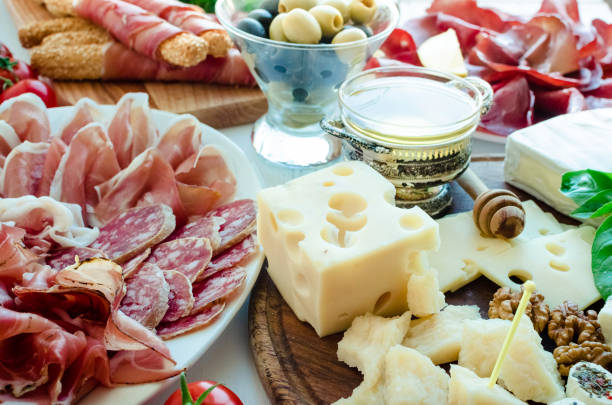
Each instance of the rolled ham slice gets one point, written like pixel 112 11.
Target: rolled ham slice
pixel 8 140
pixel 27 114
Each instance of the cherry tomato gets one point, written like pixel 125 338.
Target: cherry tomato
pixel 4 51
pixel 189 394
pixel 24 71
pixel 41 89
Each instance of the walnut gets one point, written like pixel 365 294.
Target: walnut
pixel 568 355
pixel 505 302
pixel 568 324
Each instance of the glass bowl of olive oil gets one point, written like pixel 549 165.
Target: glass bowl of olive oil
pixel 414 126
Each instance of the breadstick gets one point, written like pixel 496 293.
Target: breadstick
pixel 33 33
pixel 59 8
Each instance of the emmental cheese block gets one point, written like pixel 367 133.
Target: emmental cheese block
pixel 337 246
pixel 466 388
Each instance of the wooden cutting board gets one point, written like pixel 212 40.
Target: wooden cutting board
pixel 297 367
pixel 215 105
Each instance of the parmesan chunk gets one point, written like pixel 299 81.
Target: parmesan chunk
pixel 424 296
pixel 529 371
pixel 466 388
pixel 439 336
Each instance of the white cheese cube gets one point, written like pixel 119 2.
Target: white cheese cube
pixel 466 388
pixel 424 296
pixel 605 320
pixel 412 379
pixel 559 265
pixel 529 371
pixel 337 246
pixel 589 383
pixel 537 156
pixel 439 336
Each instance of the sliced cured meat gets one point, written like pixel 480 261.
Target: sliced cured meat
pixel 52 162
pixel 62 258
pixel 146 298
pixel 216 287
pixel 133 231
pixel 555 102
pixel 38 276
pixel 85 112
pixel 89 161
pixel 469 11
pixel 131 130
pixel 197 200
pixel 239 222
pixel 140 366
pixel 181 140
pixel 26 163
pixel 132 265
pixel 180 299
pixel 207 169
pixel 190 322
pixel 234 256
pixel 189 256
pixel 15 260
pixel 206 227
pixel 147 180
pixel 6 300
pixel 27 115
pixel 8 140
pixel 512 107
pixel 46 219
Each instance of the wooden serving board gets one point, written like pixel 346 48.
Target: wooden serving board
pixel 215 105
pixel 296 366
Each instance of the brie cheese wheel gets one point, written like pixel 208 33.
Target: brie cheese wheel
pixel 590 383
pixel 537 156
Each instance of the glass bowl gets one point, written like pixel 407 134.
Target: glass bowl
pixel 301 83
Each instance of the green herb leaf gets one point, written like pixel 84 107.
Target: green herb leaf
pixel 5 63
pixel 582 185
pixel 601 258
pixel 596 206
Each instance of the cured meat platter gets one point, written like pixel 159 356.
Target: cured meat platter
pixel 216 105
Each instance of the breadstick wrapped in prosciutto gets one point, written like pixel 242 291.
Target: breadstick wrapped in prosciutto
pixel 144 32
pixel 190 18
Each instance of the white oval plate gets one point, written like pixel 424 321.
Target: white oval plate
pixel 186 349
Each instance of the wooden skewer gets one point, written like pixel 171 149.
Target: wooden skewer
pixel 497 213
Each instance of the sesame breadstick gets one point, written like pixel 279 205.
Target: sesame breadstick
pixel 33 33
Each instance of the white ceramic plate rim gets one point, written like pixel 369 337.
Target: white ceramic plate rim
pixel 186 349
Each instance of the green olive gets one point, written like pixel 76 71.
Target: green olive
pixel 276 29
pixel 349 35
pixel 340 5
pixel 329 19
pixel 362 11
pixel 284 6
pixel 301 27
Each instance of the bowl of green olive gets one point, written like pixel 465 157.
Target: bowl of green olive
pixel 300 52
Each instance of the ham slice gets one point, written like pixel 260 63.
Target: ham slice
pixel 512 107
pixel 27 115
pixel 148 180
pixel 238 254
pixel 131 130
pixel 85 112
pixel 14 258
pixel 180 299
pixel 56 151
pixel 8 140
pixel 189 256
pixel 191 322
pixel 89 161
pixel 26 163
pixel 146 298
pixel 134 231
pixel 131 25
pixel 216 287
pixel 181 140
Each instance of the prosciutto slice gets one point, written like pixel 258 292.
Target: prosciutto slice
pixel 181 140
pixel 23 169
pixel 512 107
pixel 62 258
pixel 131 25
pixel 131 130
pixel 89 161
pixel 8 141
pixel 85 112
pixel 14 258
pixel 56 151
pixel 27 115
pixel 148 180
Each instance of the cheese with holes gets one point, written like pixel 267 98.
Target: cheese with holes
pixel 537 156
pixel 529 371
pixel 439 336
pixel 337 246
pixel 463 249
pixel 590 383
pixel 559 265
pixel 412 379
pixel 466 388
pixel 605 320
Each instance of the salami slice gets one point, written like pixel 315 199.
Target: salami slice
pixel 204 227
pixel 238 254
pixel 134 263
pixel 239 222
pixel 180 300
pixel 189 256
pixel 146 298
pixel 62 258
pixel 191 322
pixel 134 230
pixel 216 287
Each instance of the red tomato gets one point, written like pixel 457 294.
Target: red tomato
pixel 23 71
pixel 41 89
pixel 4 51
pixel 220 395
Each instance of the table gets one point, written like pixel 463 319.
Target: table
pixel 229 360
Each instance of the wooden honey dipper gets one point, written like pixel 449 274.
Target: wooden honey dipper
pixel 497 213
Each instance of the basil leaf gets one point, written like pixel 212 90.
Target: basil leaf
pixel 582 185
pixel 601 258
pixel 596 206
